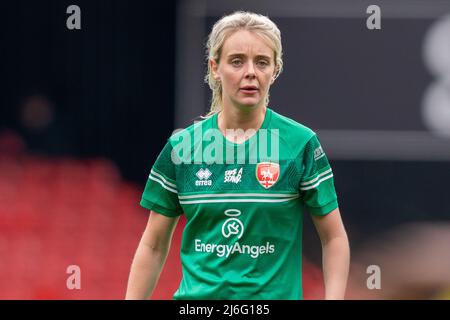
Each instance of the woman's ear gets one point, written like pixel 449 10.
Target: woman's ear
pixel 214 67
pixel 272 80
pixel 275 75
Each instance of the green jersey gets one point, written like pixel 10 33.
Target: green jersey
pixel 243 205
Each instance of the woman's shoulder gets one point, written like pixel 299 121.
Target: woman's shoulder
pixel 290 127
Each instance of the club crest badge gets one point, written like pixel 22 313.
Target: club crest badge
pixel 267 173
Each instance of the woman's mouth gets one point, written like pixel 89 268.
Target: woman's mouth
pixel 249 89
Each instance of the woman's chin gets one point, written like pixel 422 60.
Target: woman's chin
pixel 249 103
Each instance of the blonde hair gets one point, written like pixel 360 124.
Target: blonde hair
pixel 225 27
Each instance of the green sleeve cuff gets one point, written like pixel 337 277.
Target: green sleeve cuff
pixel 158 209
pixel 324 210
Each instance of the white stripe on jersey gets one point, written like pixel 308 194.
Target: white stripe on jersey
pixel 238 200
pixel 162 184
pixel 318 183
pixel 215 195
pixel 163 179
pixel 316 178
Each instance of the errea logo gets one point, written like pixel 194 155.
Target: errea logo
pixel 203 176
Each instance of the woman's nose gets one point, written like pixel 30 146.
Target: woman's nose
pixel 250 71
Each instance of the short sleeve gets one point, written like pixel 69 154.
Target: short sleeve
pixel 317 184
pixel 161 192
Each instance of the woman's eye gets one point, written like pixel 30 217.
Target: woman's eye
pixel 263 63
pixel 236 62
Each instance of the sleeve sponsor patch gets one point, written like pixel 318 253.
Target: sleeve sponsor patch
pixel 318 153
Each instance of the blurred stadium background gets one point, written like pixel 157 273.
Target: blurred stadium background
pixel 84 114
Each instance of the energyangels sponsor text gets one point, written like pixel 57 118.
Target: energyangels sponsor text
pixel 225 250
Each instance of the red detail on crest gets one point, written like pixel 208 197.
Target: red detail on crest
pixel 267 173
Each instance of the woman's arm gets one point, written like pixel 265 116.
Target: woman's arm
pixel 335 253
pixel 150 256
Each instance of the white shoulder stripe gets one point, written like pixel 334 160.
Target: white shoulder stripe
pixel 317 183
pixel 163 179
pixel 316 178
pixel 162 184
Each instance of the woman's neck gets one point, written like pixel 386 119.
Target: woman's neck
pixel 234 122
pixel 235 118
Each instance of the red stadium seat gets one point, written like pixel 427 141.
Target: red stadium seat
pixel 61 212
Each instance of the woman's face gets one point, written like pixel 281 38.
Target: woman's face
pixel 246 69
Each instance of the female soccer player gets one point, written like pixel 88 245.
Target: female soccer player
pixel 242 178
